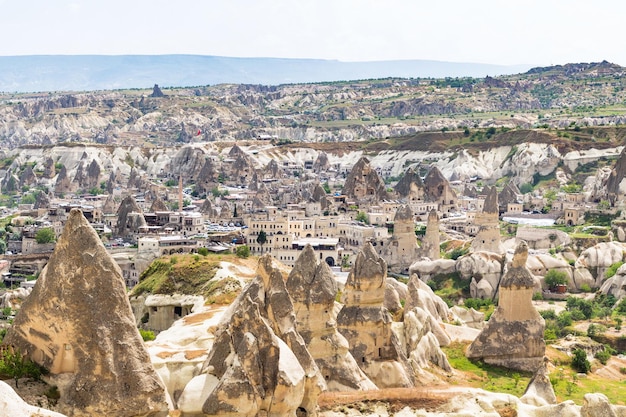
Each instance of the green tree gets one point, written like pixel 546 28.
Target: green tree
pixel 45 235
pixel 16 366
pixel 555 277
pixel 604 205
pixel 362 217
pixel 242 251
pixel 261 239
pixel 3 246
pixel 326 187
pixel 580 362
pixel 525 188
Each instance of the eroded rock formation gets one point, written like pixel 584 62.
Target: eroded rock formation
pixel 364 183
pixel 259 363
pixel 513 336
pixel 313 289
pixel 78 324
pixel 367 325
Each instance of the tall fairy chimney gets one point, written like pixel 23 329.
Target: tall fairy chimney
pixel 180 192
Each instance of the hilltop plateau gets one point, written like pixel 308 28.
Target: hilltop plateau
pixel 572 96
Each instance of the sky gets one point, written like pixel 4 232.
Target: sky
pixel 505 32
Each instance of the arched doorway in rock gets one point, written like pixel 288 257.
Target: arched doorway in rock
pixel 330 261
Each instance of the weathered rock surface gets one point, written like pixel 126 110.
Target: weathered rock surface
pixel 129 217
pixel 539 391
pixel 259 362
pixel 598 258
pixel 430 242
pixel 367 325
pixel 410 185
pixel 513 336
pixel 616 285
pixel 93 350
pixel 426 268
pixel 401 250
pixel 484 270
pixel 364 183
pixel 488 237
pixel 313 289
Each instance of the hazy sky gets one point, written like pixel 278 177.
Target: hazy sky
pixel 537 32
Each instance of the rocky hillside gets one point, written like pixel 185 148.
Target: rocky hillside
pixel 573 95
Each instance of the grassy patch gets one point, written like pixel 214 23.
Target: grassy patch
pixel 182 274
pixel 488 377
pixel 565 381
pixel 450 287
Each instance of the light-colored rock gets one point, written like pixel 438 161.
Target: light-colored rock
pixel 539 391
pixel 367 325
pixel 479 266
pixel 616 285
pixel 426 269
pixel 93 350
pixel 258 362
pixel 313 289
pixel 468 317
pixel 599 257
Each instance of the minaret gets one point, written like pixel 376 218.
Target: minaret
pixel 180 192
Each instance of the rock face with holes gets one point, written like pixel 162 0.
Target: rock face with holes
pixel 259 363
pixel 313 289
pixel 488 237
pixel 368 325
pixel 78 324
pixel 513 336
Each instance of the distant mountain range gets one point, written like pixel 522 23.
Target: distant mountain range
pixel 33 73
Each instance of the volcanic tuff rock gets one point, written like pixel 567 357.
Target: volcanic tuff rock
pixel 430 242
pixel 367 325
pixel 410 185
pixel 313 289
pixel 437 189
pixel 363 182
pixel 539 391
pixel 599 257
pixel 259 362
pixel 513 336
pixel 402 249
pixel 129 217
pixel 93 351
pixel 321 163
pixel 616 285
pixel 484 269
pixel 614 183
pixel 488 237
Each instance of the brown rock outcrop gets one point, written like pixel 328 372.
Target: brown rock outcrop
pixel 364 183
pixel 63 183
pixel 614 186
pixel 437 189
pixel 259 363
pixel 78 323
pixel 129 217
pixel 27 177
pixel 321 164
pixel 513 336
pixel 158 205
pixel 410 185
pixel 313 289
pixel 367 325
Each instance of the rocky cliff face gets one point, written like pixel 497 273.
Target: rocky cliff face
pixel 259 363
pixel 313 289
pixel 93 351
